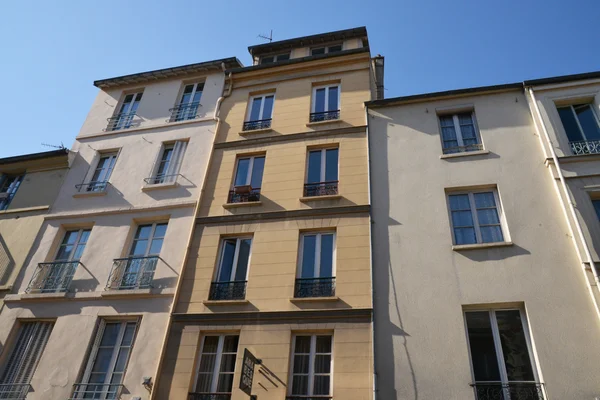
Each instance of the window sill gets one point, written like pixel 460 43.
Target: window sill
pixel 255 131
pixel 159 186
pixel 307 199
pixel 242 204
pixel 225 302
pixel 40 296
pixel 25 209
pixel 477 246
pixel 148 292
pixel 89 194
pixel 319 123
pixel 314 299
pixel 465 154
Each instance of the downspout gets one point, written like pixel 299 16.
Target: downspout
pixel 153 392
pixel 571 207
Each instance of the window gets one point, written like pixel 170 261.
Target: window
pixel 596 204
pixel 171 157
pixel 501 358
pixel 325 103
pixel 248 179
pixel 275 58
pixel 311 366
pixel 9 184
pixel 459 133
pixel 259 112
pixel 73 244
pixel 232 274
pixel 326 50
pixel 216 365
pixel 581 125
pixel 476 217
pixel 24 357
pixel 107 362
pixel 316 266
pixel 322 173
pixel 189 103
pixel 102 173
pixel 123 119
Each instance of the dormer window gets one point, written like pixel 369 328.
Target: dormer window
pixel 275 58
pixel 326 49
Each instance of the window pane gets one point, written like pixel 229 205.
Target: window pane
pixel 481 342
pixel 459 202
pixel 198 94
pixel 255 111
pixel 308 256
pixel 464 236
pixel 491 234
pixel 283 57
pixel 160 230
pixel 302 344
pixel 588 122
pixel 321 385
pixel 335 49
pixel 465 119
pixel 230 344
pixel 257 172
pixel 301 363
pixel 449 133
pixel 268 107
pixel 139 248
pixel 488 216
pixel 318 51
pixel 128 336
pixel 143 232
pixel 227 260
pixel 204 381
pixel 242 171
pixel 227 363
pixel 468 134
pixel 102 360
pixel 155 247
pixel 314 167
pixel 462 218
pixel 266 60
pixel 483 200
pixel 243 256
pixel 210 344
pixel 320 100
pixel 331 165
pixel 570 124
pixel 300 385
pixel 225 383
pixel 323 344
pixel 333 98
pixel 597 207
pixel 64 252
pixel 326 256
pixel 514 346
pixel 122 359
pixel 322 364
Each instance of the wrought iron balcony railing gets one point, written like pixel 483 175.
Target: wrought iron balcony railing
pixel 463 149
pixel 234 290
pixel 235 196
pixel 508 391
pixel 14 391
pixel 120 121
pixel 184 112
pixel 93 186
pixel 53 277
pixel 158 179
pixel 209 396
pixel 96 391
pixel 314 287
pixel 324 116
pixel 585 147
pixel 132 273
pixel 314 397
pixel 321 189
pixel 258 124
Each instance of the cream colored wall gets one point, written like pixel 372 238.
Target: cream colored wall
pixel 16 238
pixel 352 360
pixel 422 284
pixel 38 189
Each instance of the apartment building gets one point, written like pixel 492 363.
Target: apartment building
pixel 89 311
pixel 479 290
pixel 278 270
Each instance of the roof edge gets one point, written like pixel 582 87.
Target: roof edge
pixel 563 78
pixel 34 156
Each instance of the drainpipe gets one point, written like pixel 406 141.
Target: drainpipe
pixel 571 207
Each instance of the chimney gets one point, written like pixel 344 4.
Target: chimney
pixel 377 64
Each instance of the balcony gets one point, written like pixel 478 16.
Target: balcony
pixel 132 273
pixel 314 287
pixel 243 194
pixel 463 149
pixel 209 396
pixel 184 112
pixel 508 391
pixel 585 147
pixel 14 391
pixel 162 179
pixel 93 186
pixel 53 277
pixel 120 121
pixel 256 125
pixel 321 189
pixel 324 116
pixel 234 290
pixel 96 391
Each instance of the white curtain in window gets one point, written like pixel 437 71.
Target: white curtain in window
pixel 175 163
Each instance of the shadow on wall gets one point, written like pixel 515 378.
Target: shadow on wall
pixel 7 262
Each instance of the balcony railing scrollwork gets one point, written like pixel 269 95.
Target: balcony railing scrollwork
pixel 209 396
pixel 249 194
pixel 52 277
pixel 234 290
pixel 325 116
pixel 120 121
pixel 132 273
pixel 508 391
pixel 585 147
pixel 93 186
pixel 256 125
pixel 14 391
pixel 321 189
pixel 96 391
pixel 184 112
pixel 314 287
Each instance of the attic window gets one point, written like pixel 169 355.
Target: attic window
pixel 274 58
pixel 326 50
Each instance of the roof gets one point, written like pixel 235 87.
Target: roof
pixel 231 62
pixel 34 156
pixel 360 32
pixel 563 78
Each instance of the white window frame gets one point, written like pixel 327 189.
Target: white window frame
pixel 218 359
pixel 457 128
pixel 572 108
pixel 311 363
pixel 327 48
pixel 262 106
pixel 476 226
pixel 250 169
pixel 275 57
pixel 75 244
pixel 150 238
pixel 317 266
pixel 323 163
pixel 175 162
pixel 99 155
pixel 194 90
pixel 327 88
pixel 236 255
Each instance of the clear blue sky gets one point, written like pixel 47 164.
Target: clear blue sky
pixel 52 51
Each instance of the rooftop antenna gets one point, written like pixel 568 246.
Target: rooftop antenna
pixel 265 37
pixel 61 147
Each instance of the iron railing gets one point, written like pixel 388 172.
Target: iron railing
pixel 132 273
pixel 585 147
pixel 53 277
pixel 93 186
pixel 508 391
pixel 96 391
pixel 252 195
pixel 184 112
pixel 14 391
pixel 329 188
pixel 120 121
pixel 234 290
pixel 209 396
pixel 313 397
pixel 463 149
pixel 158 179
pixel 314 287
pixel 258 124
pixel 324 116
pixel 5 200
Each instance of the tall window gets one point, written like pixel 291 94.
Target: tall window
pixel 24 357
pixel 275 58
pixel 103 376
pixel 259 112
pixel 216 365
pixel 189 103
pixel 501 356
pixel 232 274
pixel 326 50
pixel 311 366
pixel 316 265
pixel 459 133
pixel 322 173
pixel 476 217
pixel 102 172
pixel 596 204
pixel 582 127
pixel 123 119
pixel 73 244
pixel 325 103
pixel 248 179
pixel 9 184
pixel 169 163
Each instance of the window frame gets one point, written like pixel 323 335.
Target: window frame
pixel 327 49
pixel 76 244
pixel 311 366
pixel 99 156
pixel 236 254
pixel 327 87
pixel 317 266
pixel 11 193
pixel 248 179
pixel 150 238
pixel 262 106
pixel 218 359
pixel 596 208
pixel 323 166
pixel 167 178
pixel 571 107
pixel 193 94
pixel 275 58
pixel 457 129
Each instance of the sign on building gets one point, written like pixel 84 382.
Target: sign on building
pixel 248 372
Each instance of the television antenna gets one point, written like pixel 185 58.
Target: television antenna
pixel 265 37
pixel 61 147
